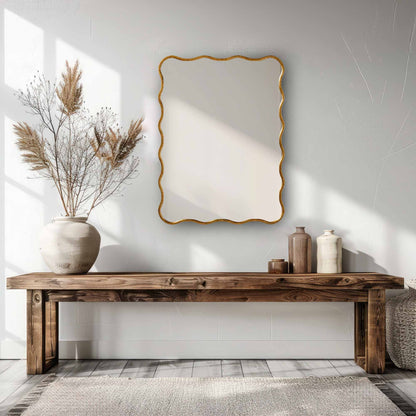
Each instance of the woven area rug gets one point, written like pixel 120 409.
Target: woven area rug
pixel 105 396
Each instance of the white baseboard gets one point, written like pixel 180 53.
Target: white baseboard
pixel 282 349
pixel 208 349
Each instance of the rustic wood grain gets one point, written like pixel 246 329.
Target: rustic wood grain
pixel 35 332
pixel 360 337
pixel 51 332
pixel 376 331
pixel 361 361
pixel 201 281
pixel 284 295
pixel 45 290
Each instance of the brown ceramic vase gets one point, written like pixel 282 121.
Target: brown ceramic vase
pixel 300 252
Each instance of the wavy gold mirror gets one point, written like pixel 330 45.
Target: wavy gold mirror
pixel 221 129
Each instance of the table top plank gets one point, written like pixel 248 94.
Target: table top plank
pixel 202 281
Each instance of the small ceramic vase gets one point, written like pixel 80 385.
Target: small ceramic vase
pixel 329 252
pixel 300 252
pixel 278 266
pixel 69 245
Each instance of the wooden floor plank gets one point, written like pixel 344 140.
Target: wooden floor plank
pixel 392 373
pixel 404 380
pixel 317 368
pixel 63 368
pixel 255 368
pixel 174 368
pixel 12 378
pixel 231 368
pixel 19 393
pixel 348 368
pixel 285 368
pixel 407 386
pixel 16 373
pixel 112 368
pixel 7 389
pixel 5 364
pixel 83 368
pixel 206 368
pixel 14 397
pixel 140 368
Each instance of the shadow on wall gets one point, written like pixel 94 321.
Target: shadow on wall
pixel 119 258
pixel 348 135
pixel 353 261
pixel 350 154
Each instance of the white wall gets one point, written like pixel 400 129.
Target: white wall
pixel 350 114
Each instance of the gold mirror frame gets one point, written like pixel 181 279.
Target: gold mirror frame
pixel 162 138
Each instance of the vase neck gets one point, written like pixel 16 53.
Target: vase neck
pixel 70 219
pixel 328 232
pixel 300 229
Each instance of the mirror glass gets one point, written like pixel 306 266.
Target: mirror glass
pixel 221 148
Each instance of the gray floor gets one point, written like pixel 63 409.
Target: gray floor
pixel 14 383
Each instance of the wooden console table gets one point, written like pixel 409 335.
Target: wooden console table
pixel 46 290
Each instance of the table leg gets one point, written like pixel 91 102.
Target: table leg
pixel 360 335
pixel 42 333
pixel 51 334
pixel 370 332
pixel 376 331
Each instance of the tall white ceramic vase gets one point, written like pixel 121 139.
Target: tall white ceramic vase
pixel 329 252
pixel 69 245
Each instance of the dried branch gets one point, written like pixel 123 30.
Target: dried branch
pixel 87 157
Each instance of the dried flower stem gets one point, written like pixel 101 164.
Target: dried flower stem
pixel 88 158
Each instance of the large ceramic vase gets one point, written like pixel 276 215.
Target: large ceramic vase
pixel 329 252
pixel 69 245
pixel 300 252
pixel 401 328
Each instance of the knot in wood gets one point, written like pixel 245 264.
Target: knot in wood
pixel 36 298
pixel 347 280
